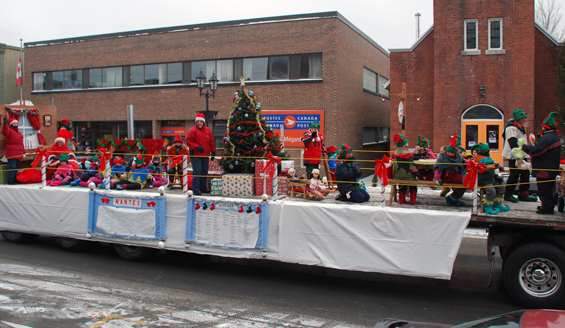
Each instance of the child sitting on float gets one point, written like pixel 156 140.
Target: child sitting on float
pixel 489 180
pixel 117 171
pixel 156 169
pixel 65 172
pixel 404 168
pixel 90 175
pixel 422 151
pixel 317 187
pixel 137 178
pixel 449 168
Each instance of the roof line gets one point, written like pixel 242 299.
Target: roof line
pixel 195 27
pixel 415 44
pixel 551 37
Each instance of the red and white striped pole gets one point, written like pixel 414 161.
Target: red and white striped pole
pixel 184 174
pixel 43 173
pixel 107 174
pixel 382 195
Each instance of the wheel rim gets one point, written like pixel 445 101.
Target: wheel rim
pixel 130 249
pixel 540 277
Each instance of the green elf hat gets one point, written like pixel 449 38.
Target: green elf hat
pixel 63 157
pixel 139 159
pixel 345 149
pixel 66 122
pixel 481 148
pixel 549 122
pixel 423 142
pixel 315 124
pixel 400 140
pixel 95 158
pixel 518 114
pixel 454 143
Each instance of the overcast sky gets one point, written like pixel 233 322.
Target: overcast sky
pixel 390 23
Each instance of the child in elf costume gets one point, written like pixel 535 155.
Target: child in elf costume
pixel 138 177
pixel 404 168
pixel 65 172
pixel 91 172
pixel 156 170
pixel 422 151
pixel 117 171
pixel 492 203
pixel 449 169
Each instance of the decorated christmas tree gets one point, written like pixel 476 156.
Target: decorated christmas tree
pixel 248 135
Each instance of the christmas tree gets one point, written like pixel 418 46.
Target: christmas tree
pixel 248 135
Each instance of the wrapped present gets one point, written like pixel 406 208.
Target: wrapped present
pixel 238 185
pixel 285 165
pixel 215 166
pixel 283 185
pixel 264 184
pixel 216 187
pixel 212 175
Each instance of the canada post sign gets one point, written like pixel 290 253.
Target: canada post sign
pixel 295 123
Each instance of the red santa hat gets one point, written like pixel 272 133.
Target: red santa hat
pixel 59 139
pixel 13 121
pixel 200 117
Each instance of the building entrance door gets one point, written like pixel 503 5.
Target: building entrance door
pixel 483 123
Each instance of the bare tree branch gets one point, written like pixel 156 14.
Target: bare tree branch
pixel 549 15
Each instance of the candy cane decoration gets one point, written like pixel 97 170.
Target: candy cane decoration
pixel 107 174
pixel 476 197
pixel 184 174
pixel 43 173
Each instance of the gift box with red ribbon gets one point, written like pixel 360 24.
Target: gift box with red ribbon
pixel 238 185
pixel 283 185
pixel 264 183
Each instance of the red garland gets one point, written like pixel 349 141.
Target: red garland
pixel 243 122
pixel 245 134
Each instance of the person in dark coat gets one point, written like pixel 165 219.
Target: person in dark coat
pixel 346 174
pixel 545 155
pixel 14 148
pixel 200 140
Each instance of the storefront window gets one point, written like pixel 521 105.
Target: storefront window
pixel 58 78
pixel 255 69
pixel 39 81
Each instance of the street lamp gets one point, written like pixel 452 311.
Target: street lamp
pixel 200 81
pixel 482 90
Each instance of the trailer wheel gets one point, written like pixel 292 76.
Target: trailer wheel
pixel 133 253
pixel 561 204
pixel 70 244
pixel 17 237
pixel 533 276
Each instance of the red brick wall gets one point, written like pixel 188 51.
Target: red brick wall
pixel 547 53
pixel 340 94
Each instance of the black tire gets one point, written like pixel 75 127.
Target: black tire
pixel 533 275
pixel 133 253
pixel 560 204
pixel 16 237
pixel 70 244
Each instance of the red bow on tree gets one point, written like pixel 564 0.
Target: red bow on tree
pixel 471 176
pixel 273 160
pixel 104 157
pixel 380 169
pixel 41 153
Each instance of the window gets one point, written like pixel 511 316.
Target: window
pixel 58 78
pixel 136 74
pixel 279 68
pixel 73 79
pixel 495 33
pixel 112 77
pixel 482 112
pixel 207 68
pixel 174 73
pixel 95 78
pixel 471 35
pixel 375 134
pixel 30 135
pixel 155 74
pixel 225 70
pixel 369 80
pixel 39 81
pixel 255 69
pixel 311 66
pixel 382 89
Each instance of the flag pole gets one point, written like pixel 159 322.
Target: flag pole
pixel 22 73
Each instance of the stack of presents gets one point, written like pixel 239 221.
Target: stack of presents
pixel 273 184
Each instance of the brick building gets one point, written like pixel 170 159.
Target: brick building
pixel 302 62
pixel 479 62
pixel 9 57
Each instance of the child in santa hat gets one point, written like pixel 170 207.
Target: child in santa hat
pixel 404 168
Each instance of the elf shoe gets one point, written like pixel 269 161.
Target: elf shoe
pixel 488 207
pixel 498 205
pixel 508 196
pixel 525 197
pixel 401 198
pixel 450 200
pixel 444 191
pixel 75 183
pixel 413 194
pixel 120 187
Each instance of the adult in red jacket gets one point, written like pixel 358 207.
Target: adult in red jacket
pixel 14 148
pixel 201 142
pixel 313 148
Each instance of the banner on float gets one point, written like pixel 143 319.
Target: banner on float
pixel 295 123
pixel 227 224
pixel 126 216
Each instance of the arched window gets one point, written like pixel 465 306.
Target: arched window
pixel 482 112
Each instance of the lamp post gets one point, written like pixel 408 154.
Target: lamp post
pixel 200 81
pixel 482 90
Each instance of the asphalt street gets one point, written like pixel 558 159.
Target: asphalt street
pixel 43 286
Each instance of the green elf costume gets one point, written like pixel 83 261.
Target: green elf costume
pixel 404 168
pixel 494 191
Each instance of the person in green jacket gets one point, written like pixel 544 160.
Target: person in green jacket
pixel 494 190
pixel 404 168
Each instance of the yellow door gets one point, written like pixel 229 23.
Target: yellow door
pixel 489 132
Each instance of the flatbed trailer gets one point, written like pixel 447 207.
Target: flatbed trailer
pixel 414 240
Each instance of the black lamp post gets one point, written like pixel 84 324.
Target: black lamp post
pixel 209 115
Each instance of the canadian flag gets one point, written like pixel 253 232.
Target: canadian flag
pixel 19 73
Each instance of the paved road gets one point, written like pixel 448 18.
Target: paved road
pixel 42 286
